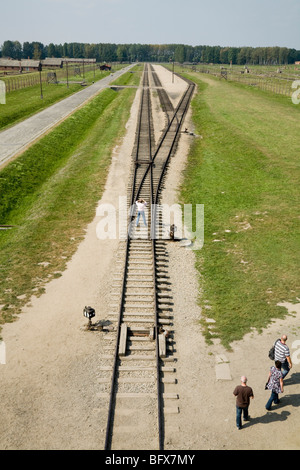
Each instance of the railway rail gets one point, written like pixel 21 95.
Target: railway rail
pixel 143 363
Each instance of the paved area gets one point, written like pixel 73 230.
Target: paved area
pixel 18 138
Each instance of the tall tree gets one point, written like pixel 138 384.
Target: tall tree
pixel 12 49
pixel 27 50
pixel 179 54
pixel 51 51
pixel 38 51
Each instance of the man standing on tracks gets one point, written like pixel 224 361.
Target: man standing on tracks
pixel 141 205
pixel 243 394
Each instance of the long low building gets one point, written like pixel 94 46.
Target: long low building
pixel 24 65
pixel 29 65
pixel 52 63
pixel 79 61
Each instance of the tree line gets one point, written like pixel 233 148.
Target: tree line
pixel 106 52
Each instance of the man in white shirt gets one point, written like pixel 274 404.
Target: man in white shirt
pixel 141 205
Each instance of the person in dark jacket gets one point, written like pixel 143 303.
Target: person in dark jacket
pixel 243 394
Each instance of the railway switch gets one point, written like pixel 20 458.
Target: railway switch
pixel 89 313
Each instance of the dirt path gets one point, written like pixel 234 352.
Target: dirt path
pixel 49 384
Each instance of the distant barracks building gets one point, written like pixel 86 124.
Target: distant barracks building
pixel 29 65
pixel 19 66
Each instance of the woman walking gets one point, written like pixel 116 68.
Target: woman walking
pixel 275 384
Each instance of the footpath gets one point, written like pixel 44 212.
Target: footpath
pixel 18 138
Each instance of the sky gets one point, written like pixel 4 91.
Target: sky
pixel 236 23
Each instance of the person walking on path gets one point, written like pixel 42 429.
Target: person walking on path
pixel 282 354
pixel 141 205
pixel 275 384
pixel 243 393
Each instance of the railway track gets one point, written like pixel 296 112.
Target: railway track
pixel 142 364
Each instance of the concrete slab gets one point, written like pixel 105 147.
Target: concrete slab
pixel 222 367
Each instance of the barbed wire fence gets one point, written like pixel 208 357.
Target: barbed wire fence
pixel 29 79
pixel 271 83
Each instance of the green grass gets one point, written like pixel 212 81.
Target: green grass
pixel 131 78
pixel 51 193
pixel 245 170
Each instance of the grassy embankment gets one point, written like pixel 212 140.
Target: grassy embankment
pixel 245 170
pixel 50 193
